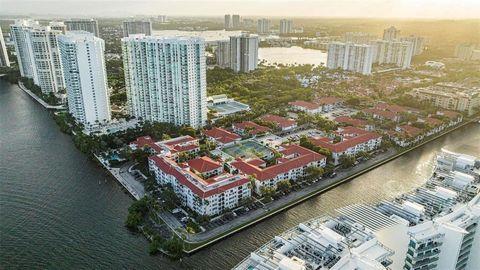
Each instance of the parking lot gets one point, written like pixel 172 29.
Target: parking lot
pixel 340 111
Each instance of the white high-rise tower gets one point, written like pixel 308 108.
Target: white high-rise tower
pixel 243 52
pixel 83 63
pixel 165 79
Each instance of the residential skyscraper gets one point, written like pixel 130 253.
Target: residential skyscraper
pixel 222 53
pixel 417 43
pixel 349 56
pixel 133 27
pixel 37 54
pixel 4 61
pixel 165 79
pixel 399 53
pixel 236 21
pixel 286 26
pixel 243 52
pixel 228 22
pixel 89 25
pixel 391 33
pixel 60 26
pixel 83 63
pixel 464 51
pixel 263 26
pixel 20 38
pixel 162 18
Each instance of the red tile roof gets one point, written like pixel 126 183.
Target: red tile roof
pixel 143 141
pixel 433 121
pixel 221 135
pixel 167 166
pixel 305 104
pixel 450 114
pixel 252 127
pixel 351 137
pixel 280 121
pixel 351 121
pixel 410 131
pixel 181 144
pixel 204 164
pixel 257 162
pixel 384 114
pixel 327 100
pixel 302 158
pixel 390 107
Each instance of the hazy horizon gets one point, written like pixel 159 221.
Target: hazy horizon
pixel 394 9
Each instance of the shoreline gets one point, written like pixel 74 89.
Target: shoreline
pixel 39 100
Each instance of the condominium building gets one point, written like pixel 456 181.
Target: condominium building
pixel 399 53
pixel 162 18
pixel 464 51
pixel 263 26
pixel 349 56
pixel 243 53
pixel 165 79
pixel 222 53
pixel 359 37
pixel 201 183
pixel 4 61
pixel 89 25
pixel 132 27
pixel 417 41
pixel 37 54
pixel 391 33
pixel 286 26
pixel 83 63
pixel 450 96
pixel 228 22
pixel 236 21
pixel 60 26
pixel 20 37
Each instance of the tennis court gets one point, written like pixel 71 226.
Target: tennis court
pixel 248 149
pixel 229 107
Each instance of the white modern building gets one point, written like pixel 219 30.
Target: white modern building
pixel 20 38
pixel 4 61
pixel 286 26
pixel 399 53
pixel 417 41
pixel 244 53
pixel 133 27
pixel 349 56
pixel 222 53
pixel 60 26
pixel 263 26
pixel 227 21
pixel 165 79
pixel 89 25
pixel 391 33
pixel 37 54
pixel 83 63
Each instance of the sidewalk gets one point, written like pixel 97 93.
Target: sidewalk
pixel 39 100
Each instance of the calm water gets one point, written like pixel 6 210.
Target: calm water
pixel 293 55
pixel 58 210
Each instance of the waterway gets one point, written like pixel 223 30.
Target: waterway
pixel 59 210
pixel 292 56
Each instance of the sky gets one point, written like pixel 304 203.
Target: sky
pixel 287 8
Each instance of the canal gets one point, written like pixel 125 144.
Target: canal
pixel 59 210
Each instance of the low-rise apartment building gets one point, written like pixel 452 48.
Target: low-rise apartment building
pixel 284 124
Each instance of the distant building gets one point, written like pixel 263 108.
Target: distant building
pixel 83 63
pixel 244 53
pixel 286 26
pixel 450 96
pixel 162 18
pixel 60 26
pixel 37 54
pixel 399 53
pixel 263 26
pixel 4 61
pixel 464 51
pixel 435 64
pixel 418 43
pixel 359 37
pixel 165 79
pixel 132 27
pixel 349 56
pixel 391 33
pixel 89 25
pixel 222 53
pixel 228 22
pixel 236 21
